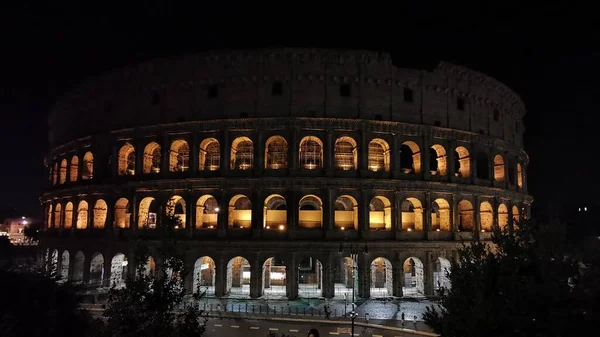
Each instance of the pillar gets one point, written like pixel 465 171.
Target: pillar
pixel 165 148
pixel 223 217
pixel 364 277
pixel 395 157
pixel 257 212
pixel 476 216
pixel 291 277
pixel 292 212
pixel 259 154
pixel 195 154
pixel 398 276
pixel 328 154
pixel 363 151
pixel 397 212
pixel 220 276
pixel 139 157
pixel 190 214
pixel 427 212
pixel 225 152
pixel 328 279
pixel 428 268
pixel 363 210
pixel 107 269
pixel 293 150
pixel 256 278
pixel 328 209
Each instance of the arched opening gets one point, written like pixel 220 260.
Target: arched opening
pixel 78 264
pixel 310 278
pixel 274 278
pixel 311 153
pixel 147 213
pixel 176 208
pixel 173 276
pixel 380 214
pixel 49 223
pixel 122 213
pixel 210 155
pixel 414 277
pixel 346 213
pixel 87 171
pixel 346 278
pixel 63 171
pixel 310 214
pixel 82 215
pixel 275 212
pixel 58 216
pixel 410 157
pixel 412 215
pixel 100 210
pixel 379 155
pixel 441 277
pixel 486 216
pixel 96 270
pixel 126 160
pixel 118 271
pixel 382 282
pixel 64 266
pixel 74 169
pixel 207 212
pixel 53 263
pixel 498 168
pixel 240 212
pixel 440 215
pixel 204 276
pixel 68 215
pixel 438 163
pixel 238 277
pixel 152 158
pixel 276 151
pixel 54 173
pixel 150 267
pixel 345 154
pixel 483 166
pixel 515 214
pixel 462 162
pixel 502 216
pixel 242 154
pixel 519 175
pixel 465 216
pixel 179 156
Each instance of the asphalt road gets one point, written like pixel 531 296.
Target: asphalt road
pixel 255 328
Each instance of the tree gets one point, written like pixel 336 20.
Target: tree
pixel 151 305
pixel 529 282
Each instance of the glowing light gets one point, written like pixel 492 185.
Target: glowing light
pixel 24 222
pixel 176 227
pixel 23 218
pixel 343 228
pixel 409 229
pixel 281 227
pixel 585 209
pixel 268 227
pixel 437 230
pixel 216 209
pixel 211 226
pixel 483 230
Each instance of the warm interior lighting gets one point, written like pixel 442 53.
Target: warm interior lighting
pixel 176 227
pixel 281 227
pixel 310 166
pixel 437 230
pixel 374 168
pixel 216 209
pixel 268 227
pixel 241 226
pixel 410 229
pixel 343 228
pixel 483 230
pixel 211 226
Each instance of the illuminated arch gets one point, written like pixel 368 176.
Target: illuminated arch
pixel 87 170
pixel 176 207
pixel 381 275
pixel 310 214
pixel 465 216
pixel 152 158
pixel 502 216
pixel 147 213
pixel 311 153
pixel 100 211
pixel 126 164
pixel 122 213
pixel 275 212
pixel 519 175
pixel 345 153
pixel 58 216
pixel 74 169
pixel 240 212
pixel 380 214
pixel 68 215
pixel 207 212
pixel 82 215
pixel 179 156
pixel 379 155
pixel 63 171
pixel 242 154
pixel 438 163
pixel 486 216
pixel 412 215
pixel 276 151
pixel 49 223
pixel 440 215
pixel 410 157
pixel 463 162
pixel 346 213
pixel 210 155
pixel 498 168
pixel 54 173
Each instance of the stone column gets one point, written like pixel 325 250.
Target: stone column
pixel 328 210
pixel 165 149
pixel 363 210
pixel 257 213
pixel 428 273
pixel 363 151
pixel 195 154
pixel 510 217
pixel 225 152
pixel 398 276
pixel 259 153
pixel 425 167
pixel 188 281
pixel 292 212
pixel 397 211
pixel 133 222
pixel 110 213
pixel 190 215
pixel 291 277
pixel 476 216
pixel 107 269
pixel 293 150
pixel 223 217
pixel 364 276
pixel 256 278
pixel 220 276
pixel 139 158
pixel 454 212
pixel 427 212
pixel 328 279
pixel 451 159
pixel 328 148
pixel 395 157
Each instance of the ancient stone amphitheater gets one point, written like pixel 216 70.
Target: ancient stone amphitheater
pixel 292 172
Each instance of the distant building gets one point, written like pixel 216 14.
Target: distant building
pixel 14 228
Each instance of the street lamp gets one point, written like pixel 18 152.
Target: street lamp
pixel 353 316
pixel 354 256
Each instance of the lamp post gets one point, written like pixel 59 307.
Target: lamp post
pixel 353 316
pixel 354 256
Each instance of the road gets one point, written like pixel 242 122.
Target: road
pixel 255 328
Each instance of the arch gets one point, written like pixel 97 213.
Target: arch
pixel 54 173
pixel 152 158
pixel 483 166
pixel 274 277
pixel 310 156
pixel 412 215
pixel 74 169
pixel 379 155
pixel 179 156
pixel 310 278
pixel 238 277
pixel 176 208
pixel 126 164
pixel 502 216
pixel 516 214
pixel 441 274
pixel 210 155
pixel 380 214
pixel 62 178
pixel 498 168
pixel 519 175
pixel 275 212
pixel 438 162
pixel 87 170
pixel 96 270
pixel 240 212
pixel 381 273
pixel 118 271
pixel 58 216
pixel 345 278
pixel 207 212
pixel 78 264
pixel 122 213
pixel 276 152
pixel 462 162
pixel 414 277
pixel 147 213
pixel 82 215
pixel 440 215
pixel 64 266
pixel 486 216
pixel 345 213
pixel 68 215
pixel 310 212
pixel 410 157
pixel 150 267
pixel 242 154
pixel 345 153
pixel 465 216
pixel 100 211
pixel 53 263
pixel 204 276
pixel 49 216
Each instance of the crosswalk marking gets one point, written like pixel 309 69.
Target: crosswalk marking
pixel 293 330
pixel 254 328
pixel 218 324
pixel 377 335
pixel 273 329
pixel 334 333
pixel 235 326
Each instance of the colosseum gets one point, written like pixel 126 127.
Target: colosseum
pixel 292 172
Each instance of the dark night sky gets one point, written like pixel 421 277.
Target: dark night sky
pixel 548 55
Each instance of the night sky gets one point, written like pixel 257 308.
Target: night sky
pixel 549 56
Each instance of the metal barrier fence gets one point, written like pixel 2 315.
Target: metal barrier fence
pixel 284 310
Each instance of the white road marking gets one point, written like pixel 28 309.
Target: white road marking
pixel 377 335
pixel 273 329
pixel 254 328
pixel 235 326
pixel 333 333
pixel 218 324
pixel 293 330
